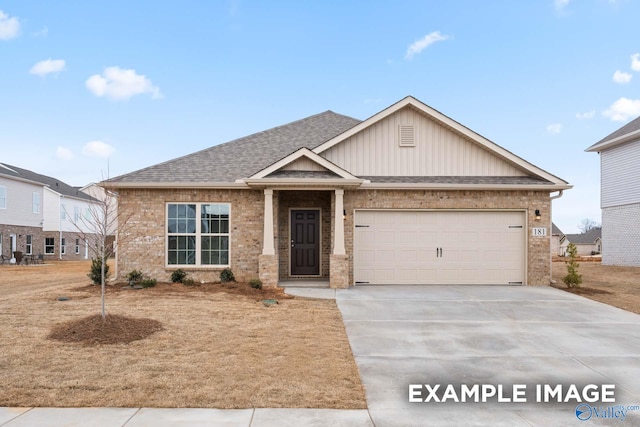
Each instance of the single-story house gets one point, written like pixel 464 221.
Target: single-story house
pixel 407 196
pixel 620 194
pixel 589 243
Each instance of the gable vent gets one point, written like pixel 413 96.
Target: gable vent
pixel 406 136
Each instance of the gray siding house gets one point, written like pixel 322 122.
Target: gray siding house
pixel 620 194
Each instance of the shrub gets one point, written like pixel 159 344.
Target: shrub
pixel 96 271
pixel 134 276
pixel 572 279
pixel 188 281
pixel 226 275
pixel 255 283
pixel 148 283
pixel 178 276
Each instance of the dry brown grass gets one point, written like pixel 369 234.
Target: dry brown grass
pixel 215 350
pixel 617 286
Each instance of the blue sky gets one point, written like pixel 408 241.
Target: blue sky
pixel 133 84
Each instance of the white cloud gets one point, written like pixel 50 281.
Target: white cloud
pixel 635 62
pixel 561 4
pixel 48 66
pixel 623 109
pixel 42 33
pixel 621 77
pixel 9 27
pixel 586 116
pixel 554 128
pixel 120 84
pixel 419 45
pixel 64 153
pixel 97 149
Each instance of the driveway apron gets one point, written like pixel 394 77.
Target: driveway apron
pixel 495 335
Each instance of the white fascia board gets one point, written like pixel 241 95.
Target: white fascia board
pixel 169 185
pixel 303 152
pixel 477 187
pixel 19 179
pixel 447 121
pixel 304 182
pixel 614 142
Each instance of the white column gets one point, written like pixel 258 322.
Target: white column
pixel 338 221
pixel 268 244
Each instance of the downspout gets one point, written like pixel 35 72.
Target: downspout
pixel 552 198
pixel 60 229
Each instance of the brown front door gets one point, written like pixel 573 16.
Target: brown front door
pixel 305 242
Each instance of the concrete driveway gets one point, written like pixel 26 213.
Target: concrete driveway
pixel 494 335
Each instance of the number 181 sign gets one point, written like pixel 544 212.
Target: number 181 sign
pixel 539 231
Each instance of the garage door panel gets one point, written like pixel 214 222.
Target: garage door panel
pixel 480 247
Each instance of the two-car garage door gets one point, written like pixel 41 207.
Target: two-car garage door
pixel 439 247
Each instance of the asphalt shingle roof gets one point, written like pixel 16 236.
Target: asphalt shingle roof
pixel 556 230
pixel 243 157
pixel 511 180
pixel 587 238
pixel 53 183
pixel 632 126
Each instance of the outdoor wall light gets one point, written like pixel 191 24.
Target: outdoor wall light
pixel 538 216
pixel 344 214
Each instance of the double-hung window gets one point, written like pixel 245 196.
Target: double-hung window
pixel 3 197
pixel 198 234
pixel 29 246
pixel 49 246
pixel 35 199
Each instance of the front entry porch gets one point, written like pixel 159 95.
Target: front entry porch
pixel 303 242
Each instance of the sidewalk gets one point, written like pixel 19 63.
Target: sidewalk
pixel 172 417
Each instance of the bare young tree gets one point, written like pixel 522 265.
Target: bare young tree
pixel 99 227
pixel 587 224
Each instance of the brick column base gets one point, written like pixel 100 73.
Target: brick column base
pixel 338 271
pixel 268 270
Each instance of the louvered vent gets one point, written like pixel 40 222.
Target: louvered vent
pixel 406 136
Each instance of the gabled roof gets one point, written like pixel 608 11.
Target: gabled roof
pixel 47 181
pixel 243 157
pixel 451 124
pixel 555 230
pixel 587 238
pixel 625 134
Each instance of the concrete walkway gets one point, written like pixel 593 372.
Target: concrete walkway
pixel 178 417
pixel 470 335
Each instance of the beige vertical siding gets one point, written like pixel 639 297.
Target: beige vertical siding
pixel 439 151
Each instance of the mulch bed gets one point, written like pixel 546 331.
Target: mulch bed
pixel 113 329
pixel 583 290
pixel 232 288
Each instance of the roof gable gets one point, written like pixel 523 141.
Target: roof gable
pixel 308 161
pixel 482 157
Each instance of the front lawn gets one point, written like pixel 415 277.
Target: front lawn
pixel 214 349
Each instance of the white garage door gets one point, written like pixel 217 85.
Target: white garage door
pixel 439 247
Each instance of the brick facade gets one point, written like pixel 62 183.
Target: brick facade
pixel 142 247
pixel 38 242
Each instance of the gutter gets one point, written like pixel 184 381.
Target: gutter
pixel 557 196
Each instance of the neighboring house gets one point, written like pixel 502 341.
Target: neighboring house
pixel 41 215
pixel 589 243
pixel 557 239
pixel 408 196
pixel 620 194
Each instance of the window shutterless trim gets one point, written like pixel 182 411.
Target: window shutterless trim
pixel 198 237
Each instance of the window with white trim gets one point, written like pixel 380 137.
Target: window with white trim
pixel 198 234
pixel 36 202
pixel 77 246
pixel 63 246
pixel 63 212
pixel 29 244
pixel 49 245
pixel 76 214
pixel 3 197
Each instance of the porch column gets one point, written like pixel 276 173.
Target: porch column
pixel 338 221
pixel 268 244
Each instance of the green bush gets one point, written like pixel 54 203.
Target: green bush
pixel 96 271
pixel 148 283
pixel 226 275
pixel 255 283
pixel 572 279
pixel 178 276
pixel 134 276
pixel 188 281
